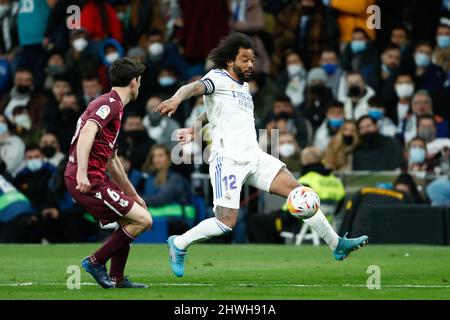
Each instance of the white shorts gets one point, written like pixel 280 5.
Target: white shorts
pixel 228 177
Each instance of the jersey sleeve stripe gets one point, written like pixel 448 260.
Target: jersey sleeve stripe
pixel 209 84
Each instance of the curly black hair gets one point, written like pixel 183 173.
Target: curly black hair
pixel 228 49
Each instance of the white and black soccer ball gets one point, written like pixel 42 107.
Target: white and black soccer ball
pixel 303 202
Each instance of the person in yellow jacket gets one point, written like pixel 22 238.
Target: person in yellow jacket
pixel 353 14
pixel 314 175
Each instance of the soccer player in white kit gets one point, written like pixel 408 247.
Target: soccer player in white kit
pixel 236 157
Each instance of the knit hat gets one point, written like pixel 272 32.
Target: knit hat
pixel 316 74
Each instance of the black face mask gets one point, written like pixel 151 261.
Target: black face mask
pixel 23 89
pixel 49 151
pixel 283 116
pixel 308 10
pixel 318 90
pixel 348 140
pixel 69 115
pixel 369 137
pixel 136 135
pixel 354 91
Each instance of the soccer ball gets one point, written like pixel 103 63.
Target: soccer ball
pixel 303 202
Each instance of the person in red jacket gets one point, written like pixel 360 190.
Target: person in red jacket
pixel 100 20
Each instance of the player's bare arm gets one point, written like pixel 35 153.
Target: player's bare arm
pixel 186 135
pixel 84 145
pixel 169 106
pixel 119 175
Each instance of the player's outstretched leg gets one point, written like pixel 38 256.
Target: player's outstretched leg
pixel 223 223
pixel 283 184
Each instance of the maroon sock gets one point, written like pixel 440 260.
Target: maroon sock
pixel 118 262
pixel 119 239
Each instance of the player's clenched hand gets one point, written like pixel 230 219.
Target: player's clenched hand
pixel 185 135
pixel 83 184
pixel 140 201
pixel 168 107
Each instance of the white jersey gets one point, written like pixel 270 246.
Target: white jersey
pixel 229 107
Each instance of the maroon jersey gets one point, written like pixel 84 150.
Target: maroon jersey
pixel 106 111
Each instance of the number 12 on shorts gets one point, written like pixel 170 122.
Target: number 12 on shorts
pixel 229 182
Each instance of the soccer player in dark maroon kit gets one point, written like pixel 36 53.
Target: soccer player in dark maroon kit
pixel 108 197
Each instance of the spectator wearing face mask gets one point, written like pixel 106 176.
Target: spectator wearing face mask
pixel 330 126
pixel 159 128
pixel 359 52
pixel 135 142
pixel 317 97
pixel 51 150
pixel 109 51
pixel 55 66
pixel 377 111
pixel 168 83
pixel 336 77
pixel 381 74
pixel 416 156
pixel 399 107
pixel 441 54
pixel 406 184
pixel 357 97
pixel 428 76
pixel 12 148
pixel 292 80
pixel 338 155
pixel 422 105
pixel 24 94
pixel 79 58
pixel 161 55
pixel 33 179
pixel 287 120
pixel 375 152
pixel 24 126
pixel 289 151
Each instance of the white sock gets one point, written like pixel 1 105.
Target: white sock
pixel 320 224
pixel 205 230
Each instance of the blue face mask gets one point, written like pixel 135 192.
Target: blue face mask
pixel 385 68
pixel 329 68
pixel 422 59
pixel 358 46
pixel 3 128
pixel 443 41
pixel 336 123
pixel 417 155
pixel 34 164
pixel 376 114
pixel 166 81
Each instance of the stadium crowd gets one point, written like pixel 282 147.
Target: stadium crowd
pixel 349 97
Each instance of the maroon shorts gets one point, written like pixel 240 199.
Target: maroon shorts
pixel 105 201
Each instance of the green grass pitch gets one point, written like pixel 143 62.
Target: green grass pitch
pixel 233 272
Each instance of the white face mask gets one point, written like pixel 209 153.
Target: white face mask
pixel 155 49
pixel 111 57
pixel 287 150
pixel 23 120
pixel 404 90
pixel 295 69
pixel 80 44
